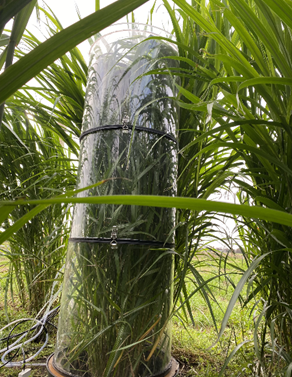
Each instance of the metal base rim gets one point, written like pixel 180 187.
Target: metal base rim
pixel 53 372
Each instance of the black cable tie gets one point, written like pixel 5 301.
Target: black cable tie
pixel 122 241
pixel 120 126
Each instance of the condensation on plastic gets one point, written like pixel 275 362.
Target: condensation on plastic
pixel 116 303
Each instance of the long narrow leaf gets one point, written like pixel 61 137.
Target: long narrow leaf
pixel 172 202
pixel 265 81
pixel 282 9
pixel 11 10
pixel 28 216
pixel 237 292
pixel 34 62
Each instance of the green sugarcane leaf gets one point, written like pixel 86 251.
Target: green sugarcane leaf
pixel 21 21
pixel 232 63
pixel 4 213
pixel 227 79
pixel 237 292
pixel 175 25
pixel 252 20
pixel 19 25
pixel 268 202
pixel 190 96
pixel 265 81
pixel 227 360
pixel 33 63
pixel 266 158
pixel 281 238
pixel 216 35
pixel 282 8
pixel 28 216
pixel 248 40
pixel 3 57
pixel 19 223
pixel 256 212
pixel 4 40
pixel 11 10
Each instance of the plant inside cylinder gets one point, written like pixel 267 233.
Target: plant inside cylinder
pixel 117 297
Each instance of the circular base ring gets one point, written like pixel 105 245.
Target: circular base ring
pixel 53 372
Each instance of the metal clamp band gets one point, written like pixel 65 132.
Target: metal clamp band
pixel 122 241
pixel 130 127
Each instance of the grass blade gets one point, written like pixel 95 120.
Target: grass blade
pixel 172 202
pixel 33 63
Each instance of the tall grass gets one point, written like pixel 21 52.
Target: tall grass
pixel 252 57
pixel 38 139
pixel 202 169
pixel 235 72
pixel 41 168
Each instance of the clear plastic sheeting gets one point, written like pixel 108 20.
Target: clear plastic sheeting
pixel 135 163
pixel 118 284
pixel 115 318
pixel 115 86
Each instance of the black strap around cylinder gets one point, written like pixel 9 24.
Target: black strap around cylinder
pixel 122 241
pixel 130 127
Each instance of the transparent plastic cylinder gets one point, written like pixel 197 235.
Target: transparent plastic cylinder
pixel 118 285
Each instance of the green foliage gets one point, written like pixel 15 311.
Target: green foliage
pixel 119 303
pixel 53 48
pixel 234 131
pixel 41 167
pixel 33 140
pixel 253 78
pixel 193 343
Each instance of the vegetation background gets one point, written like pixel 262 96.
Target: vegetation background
pixel 234 134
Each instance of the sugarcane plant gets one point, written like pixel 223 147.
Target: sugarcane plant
pixel 41 168
pixel 57 120
pixel 234 66
pixel 252 57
